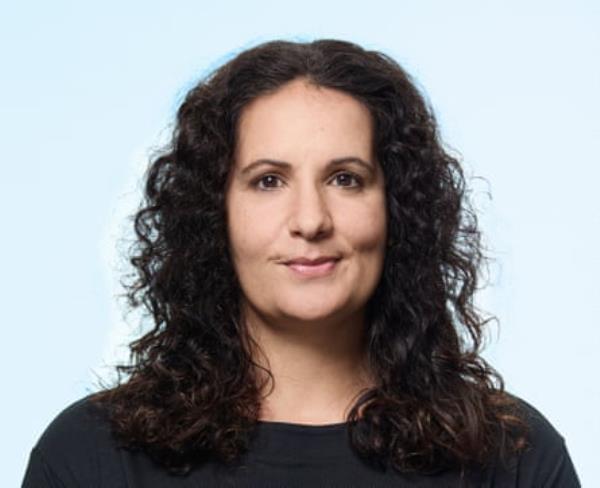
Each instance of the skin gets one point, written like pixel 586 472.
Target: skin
pixel 309 330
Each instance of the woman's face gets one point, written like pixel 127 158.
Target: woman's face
pixel 321 194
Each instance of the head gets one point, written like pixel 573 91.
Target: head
pixel 316 111
pixel 356 173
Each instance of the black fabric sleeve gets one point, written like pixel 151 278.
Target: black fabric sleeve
pixel 547 463
pixel 76 451
pixel 39 473
pixel 564 474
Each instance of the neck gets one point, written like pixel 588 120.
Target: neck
pixel 318 369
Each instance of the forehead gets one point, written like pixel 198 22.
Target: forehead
pixel 303 119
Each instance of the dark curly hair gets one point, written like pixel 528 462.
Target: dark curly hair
pixel 191 390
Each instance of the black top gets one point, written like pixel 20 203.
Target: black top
pixel 77 450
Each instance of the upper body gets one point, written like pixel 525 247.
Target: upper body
pixel 308 256
pixel 77 450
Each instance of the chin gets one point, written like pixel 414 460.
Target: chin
pixel 311 312
pixel 308 315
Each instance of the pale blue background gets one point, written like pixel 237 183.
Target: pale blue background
pixel 88 88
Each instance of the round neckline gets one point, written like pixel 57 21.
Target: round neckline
pixel 296 427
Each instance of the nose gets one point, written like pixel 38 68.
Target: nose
pixel 310 217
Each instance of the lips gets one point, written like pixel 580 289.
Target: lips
pixel 313 268
pixel 311 262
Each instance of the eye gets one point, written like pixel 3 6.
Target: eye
pixel 269 178
pixel 349 177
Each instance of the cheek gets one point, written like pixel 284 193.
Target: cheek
pixel 366 227
pixel 251 230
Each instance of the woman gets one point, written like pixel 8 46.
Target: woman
pixel 309 258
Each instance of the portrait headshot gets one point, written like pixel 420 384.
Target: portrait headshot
pixel 305 278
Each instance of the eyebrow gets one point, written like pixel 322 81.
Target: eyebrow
pixel 285 165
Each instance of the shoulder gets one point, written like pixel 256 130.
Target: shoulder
pixel 546 460
pixel 81 424
pixel 542 432
pixel 77 448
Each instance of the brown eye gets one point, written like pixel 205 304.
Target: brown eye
pixel 347 177
pixel 268 180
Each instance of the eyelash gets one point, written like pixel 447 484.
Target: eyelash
pixel 356 177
